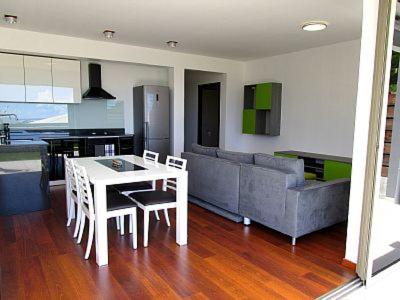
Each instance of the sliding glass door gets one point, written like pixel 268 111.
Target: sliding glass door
pixel 380 229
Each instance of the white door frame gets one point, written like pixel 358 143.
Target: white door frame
pixel 384 43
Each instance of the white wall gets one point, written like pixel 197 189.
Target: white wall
pixel 319 92
pixel 118 79
pixel 192 80
pixel 22 41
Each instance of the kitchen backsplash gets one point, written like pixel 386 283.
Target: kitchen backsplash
pixel 88 114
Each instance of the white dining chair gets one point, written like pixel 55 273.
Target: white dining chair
pixel 73 205
pixel 158 199
pixel 136 187
pixel 117 205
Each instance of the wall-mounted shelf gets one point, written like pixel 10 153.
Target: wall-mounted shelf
pixel 262 108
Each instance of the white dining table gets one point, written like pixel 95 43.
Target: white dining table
pixel 102 176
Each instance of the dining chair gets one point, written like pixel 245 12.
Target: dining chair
pixel 158 199
pixel 73 206
pixel 135 187
pixel 117 205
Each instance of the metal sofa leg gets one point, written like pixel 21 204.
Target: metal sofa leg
pixel 246 221
pixel 293 241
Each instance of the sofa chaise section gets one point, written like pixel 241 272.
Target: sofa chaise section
pixel 275 199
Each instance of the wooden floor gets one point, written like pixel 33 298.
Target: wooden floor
pixel 39 259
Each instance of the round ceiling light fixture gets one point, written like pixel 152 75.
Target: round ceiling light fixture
pixel 10 19
pixel 108 34
pixel 314 25
pixel 172 44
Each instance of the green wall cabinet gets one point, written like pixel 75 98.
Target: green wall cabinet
pixel 262 108
pixel 249 121
pixel 264 96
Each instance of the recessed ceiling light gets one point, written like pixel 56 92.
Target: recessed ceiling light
pixel 172 44
pixel 10 19
pixel 314 25
pixel 108 34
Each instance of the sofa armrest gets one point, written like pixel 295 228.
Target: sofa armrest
pixel 317 205
pixel 263 192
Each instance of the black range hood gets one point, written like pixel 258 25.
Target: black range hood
pixel 95 92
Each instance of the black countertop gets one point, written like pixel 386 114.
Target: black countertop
pixel 38 135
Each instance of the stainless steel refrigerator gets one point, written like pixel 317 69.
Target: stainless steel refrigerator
pixel 151 119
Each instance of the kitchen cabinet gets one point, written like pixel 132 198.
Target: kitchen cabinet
pixel 12 82
pixel 66 81
pixel 38 79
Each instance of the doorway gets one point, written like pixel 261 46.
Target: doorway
pixel 209 114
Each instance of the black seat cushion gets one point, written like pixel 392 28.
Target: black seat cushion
pixel 134 186
pixel 153 197
pixel 117 201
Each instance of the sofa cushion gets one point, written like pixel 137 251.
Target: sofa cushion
pixel 291 165
pixel 240 157
pixel 209 151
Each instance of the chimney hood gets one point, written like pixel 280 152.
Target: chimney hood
pixel 95 92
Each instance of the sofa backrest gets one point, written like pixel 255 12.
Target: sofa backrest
pixel 209 151
pixel 240 157
pixel 289 165
pixel 214 180
pixel 263 192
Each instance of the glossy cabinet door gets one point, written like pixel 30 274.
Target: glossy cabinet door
pixel 12 83
pixel 38 79
pixel 66 81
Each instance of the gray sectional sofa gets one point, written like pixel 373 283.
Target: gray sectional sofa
pixel 266 189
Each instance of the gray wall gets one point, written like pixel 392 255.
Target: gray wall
pixel 192 80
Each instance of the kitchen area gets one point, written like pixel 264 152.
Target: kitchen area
pixel 51 107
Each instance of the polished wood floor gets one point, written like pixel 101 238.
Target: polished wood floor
pixel 39 259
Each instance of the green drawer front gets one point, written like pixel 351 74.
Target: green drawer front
pixel 264 96
pixel 285 155
pixel 336 170
pixel 249 121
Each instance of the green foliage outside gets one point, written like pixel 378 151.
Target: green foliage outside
pixel 394 70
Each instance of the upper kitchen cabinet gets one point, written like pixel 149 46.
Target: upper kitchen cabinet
pixel 12 83
pixel 38 79
pixel 66 81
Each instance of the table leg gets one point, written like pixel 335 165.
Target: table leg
pixel 181 209
pixel 100 200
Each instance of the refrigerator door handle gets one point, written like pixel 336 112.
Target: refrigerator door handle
pixel 146 135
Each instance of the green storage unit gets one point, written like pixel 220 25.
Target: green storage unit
pixel 321 167
pixel 264 96
pixel 336 170
pixel 249 121
pixel 262 108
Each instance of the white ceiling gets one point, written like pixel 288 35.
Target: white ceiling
pixel 237 29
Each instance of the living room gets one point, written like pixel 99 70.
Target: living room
pixel 269 195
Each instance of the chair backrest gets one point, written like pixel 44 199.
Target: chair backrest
pixel 150 155
pixel 70 178
pixel 84 192
pixel 174 162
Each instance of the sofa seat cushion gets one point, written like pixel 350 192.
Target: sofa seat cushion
pixel 289 165
pixel 240 157
pixel 209 151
